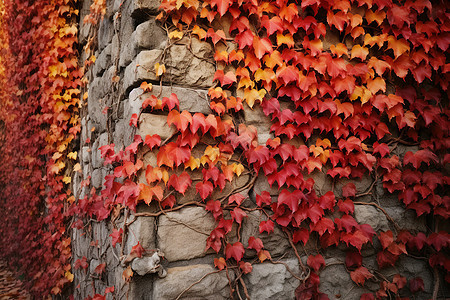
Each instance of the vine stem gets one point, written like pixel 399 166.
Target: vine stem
pixel 304 269
pixel 193 284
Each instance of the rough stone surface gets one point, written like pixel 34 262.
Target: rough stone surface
pixel 276 242
pixel 272 281
pixel 142 68
pixel 142 230
pixel 178 279
pixel 335 281
pixel 182 234
pixel 155 124
pixel 149 35
pixel 367 214
pixel 144 6
pixel 97 160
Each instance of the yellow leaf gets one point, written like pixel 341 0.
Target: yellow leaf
pixel 72 155
pixel 67 179
pixel 69 276
pixel 192 163
pixel 237 169
pixel 199 32
pixel 77 168
pixel 176 35
pixel 159 69
pixel 212 152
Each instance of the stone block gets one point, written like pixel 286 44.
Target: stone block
pixel 367 214
pixel 149 35
pixel 105 33
pixel 273 281
pixel 140 7
pixel 144 231
pixel 142 68
pixel 97 160
pixel 335 281
pixel 192 100
pixel 189 70
pixel 155 124
pixel 257 118
pixel 276 242
pixel 182 66
pixel 96 178
pixel 178 279
pixel 182 234
pixel 128 50
pixel 103 60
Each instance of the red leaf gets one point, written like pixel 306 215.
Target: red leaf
pixel 349 190
pixel 382 149
pixel 316 262
pixel 152 140
pixel 236 251
pixel 346 206
pixel 353 259
pixel 134 120
pixel 204 189
pixel 266 226
pixel 109 289
pixel 264 198
pixel 386 239
pixel 360 275
pixel 81 263
pixel 416 285
pixel 255 243
pixel 220 263
pixel 171 102
pixel 323 225
pixel 419 157
pixel 238 215
pixel 246 267
pixel 261 46
pixel 137 250
pixel 169 202
pixel 180 183
pixel 301 235
pixel 116 236
pixel 222 6
pixel 180 120
pixel 100 268
pixel 292 200
pixel 327 201
pixel 237 198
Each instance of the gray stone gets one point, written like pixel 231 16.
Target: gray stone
pixel 96 178
pixel 335 281
pixel 103 60
pixel 276 242
pixel 105 33
pixel 149 35
pixel 406 218
pixel 273 281
pixel 148 264
pixel 85 154
pixel 97 160
pixel 182 234
pixel 140 7
pixel 257 118
pixel 367 214
pixel 143 230
pixel 186 69
pixel 182 66
pixel 192 100
pixel 128 50
pixel 213 286
pixel 150 124
pixel 142 68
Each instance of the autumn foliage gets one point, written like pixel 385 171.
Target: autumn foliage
pixel 353 89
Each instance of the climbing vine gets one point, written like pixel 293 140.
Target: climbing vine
pixel 346 85
pixel 39 103
pixel 353 89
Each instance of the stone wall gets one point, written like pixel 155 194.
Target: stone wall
pixel 129 42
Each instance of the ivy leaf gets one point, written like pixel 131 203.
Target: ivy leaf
pixel 238 215
pixel 349 190
pixel 204 189
pixel 236 198
pixel 360 275
pixel 266 226
pixel 263 255
pixel 353 259
pixel 264 198
pixel 246 267
pixel 180 183
pixel 152 140
pixel 261 46
pixel 255 243
pixel 222 6
pixel 220 263
pixel 137 250
pixel 134 120
pixel 301 235
pixel 315 262
pixel 235 251
pixel 416 285
pixel 346 206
